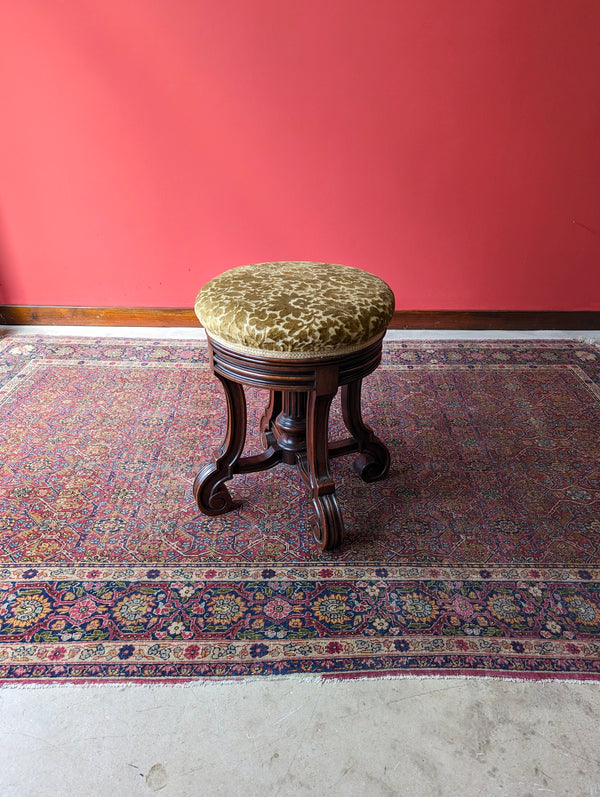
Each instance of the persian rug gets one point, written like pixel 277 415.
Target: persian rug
pixel 478 554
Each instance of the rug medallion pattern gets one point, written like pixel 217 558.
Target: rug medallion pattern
pixel 479 554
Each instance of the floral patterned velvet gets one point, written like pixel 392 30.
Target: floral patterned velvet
pixel 295 309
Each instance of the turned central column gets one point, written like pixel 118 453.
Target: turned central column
pixel 290 425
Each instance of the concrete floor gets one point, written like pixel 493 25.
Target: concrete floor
pixel 288 736
pixel 413 736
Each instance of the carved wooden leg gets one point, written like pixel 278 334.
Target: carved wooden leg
pixel 271 412
pixel 374 460
pixel 327 525
pixel 211 495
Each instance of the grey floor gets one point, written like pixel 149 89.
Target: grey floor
pixel 289 736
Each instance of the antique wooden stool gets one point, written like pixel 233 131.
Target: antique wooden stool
pixel 299 330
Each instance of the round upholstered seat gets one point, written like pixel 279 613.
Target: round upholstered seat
pixel 295 309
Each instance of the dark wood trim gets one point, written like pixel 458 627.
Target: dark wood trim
pixel 403 319
pixel 496 319
pixel 98 316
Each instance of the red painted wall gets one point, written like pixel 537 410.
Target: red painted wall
pixel 451 147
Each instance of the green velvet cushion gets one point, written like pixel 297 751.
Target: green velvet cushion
pixel 295 309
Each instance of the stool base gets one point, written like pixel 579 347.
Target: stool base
pixel 294 429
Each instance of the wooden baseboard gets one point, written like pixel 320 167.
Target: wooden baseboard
pixel 496 319
pixel 37 315
pixel 42 315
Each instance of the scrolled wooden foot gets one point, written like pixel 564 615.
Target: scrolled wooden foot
pixel 211 495
pixel 373 463
pixel 372 467
pixel 327 525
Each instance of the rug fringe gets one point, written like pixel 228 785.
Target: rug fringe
pixel 590 341
pixel 330 682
